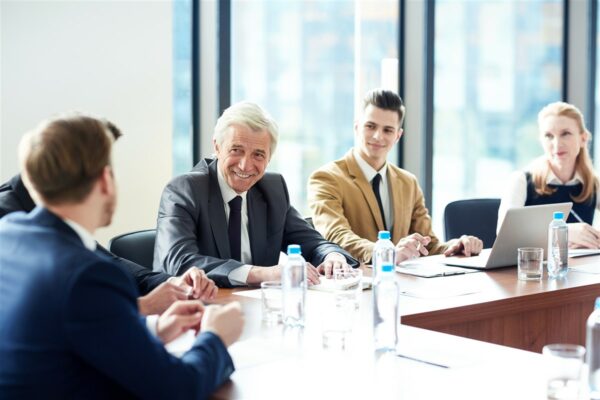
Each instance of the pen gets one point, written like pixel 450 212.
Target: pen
pixel 577 217
pixel 422 361
pixel 450 273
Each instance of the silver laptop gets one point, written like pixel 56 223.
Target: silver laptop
pixel 522 227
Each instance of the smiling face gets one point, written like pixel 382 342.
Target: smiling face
pixel 243 156
pixel 377 131
pixel 562 140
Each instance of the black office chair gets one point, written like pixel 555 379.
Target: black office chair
pixel 477 217
pixel 135 246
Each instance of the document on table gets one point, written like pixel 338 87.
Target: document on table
pixel 246 353
pixel 326 285
pixel 583 252
pixel 437 355
pixel 431 270
pixel 331 285
pixel 588 268
pixel 254 351
pixel 440 292
pixel 254 293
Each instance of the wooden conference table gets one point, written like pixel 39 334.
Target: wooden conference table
pixel 494 307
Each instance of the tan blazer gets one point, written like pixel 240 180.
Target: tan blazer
pixel 345 209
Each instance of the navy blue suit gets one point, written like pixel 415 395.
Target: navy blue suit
pixel 69 324
pixel 15 197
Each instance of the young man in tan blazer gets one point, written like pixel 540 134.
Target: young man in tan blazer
pixel 360 194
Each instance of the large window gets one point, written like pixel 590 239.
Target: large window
pixel 182 86
pixel 308 64
pixel 496 65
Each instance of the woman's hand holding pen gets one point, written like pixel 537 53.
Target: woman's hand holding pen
pixel 582 235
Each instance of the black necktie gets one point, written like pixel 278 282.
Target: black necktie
pixel 375 183
pixel 235 227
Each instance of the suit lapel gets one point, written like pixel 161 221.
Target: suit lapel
pixel 397 203
pixel 365 187
pixel 257 224
pixel 216 210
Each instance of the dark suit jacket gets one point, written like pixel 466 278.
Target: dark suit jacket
pixel 192 226
pixel 15 197
pixel 69 324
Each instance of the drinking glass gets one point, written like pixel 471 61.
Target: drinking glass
pixel 338 314
pixel 530 263
pixel 564 363
pixel 349 283
pixel 272 301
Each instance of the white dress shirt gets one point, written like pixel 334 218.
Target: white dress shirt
pixel 88 241
pixel 516 193
pixel 84 235
pixel 384 189
pixel 238 276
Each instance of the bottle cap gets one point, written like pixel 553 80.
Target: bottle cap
pixel 558 215
pixel 294 249
pixel 385 235
pixel 597 305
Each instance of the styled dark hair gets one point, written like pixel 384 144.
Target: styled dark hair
pixel 65 156
pixel 386 100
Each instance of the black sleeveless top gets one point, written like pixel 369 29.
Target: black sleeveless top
pixel 563 194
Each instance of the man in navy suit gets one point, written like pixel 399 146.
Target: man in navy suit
pixel 69 323
pixel 230 218
pixel 158 290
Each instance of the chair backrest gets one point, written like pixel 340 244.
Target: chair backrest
pixel 477 217
pixel 135 246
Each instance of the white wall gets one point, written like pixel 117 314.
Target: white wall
pixel 109 58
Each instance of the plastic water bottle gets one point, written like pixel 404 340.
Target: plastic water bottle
pixel 593 351
pixel 385 295
pixel 558 240
pixel 293 284
pixel 384 252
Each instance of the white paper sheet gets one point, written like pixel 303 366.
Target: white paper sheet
pixel 587 268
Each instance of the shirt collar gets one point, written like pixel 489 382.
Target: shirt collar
pixel 369 171
pixel 226 191
pixel 553 179
pixel 84 235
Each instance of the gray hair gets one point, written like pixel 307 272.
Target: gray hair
pixel 250 115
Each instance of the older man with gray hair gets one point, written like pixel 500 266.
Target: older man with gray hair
pixel 230 218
